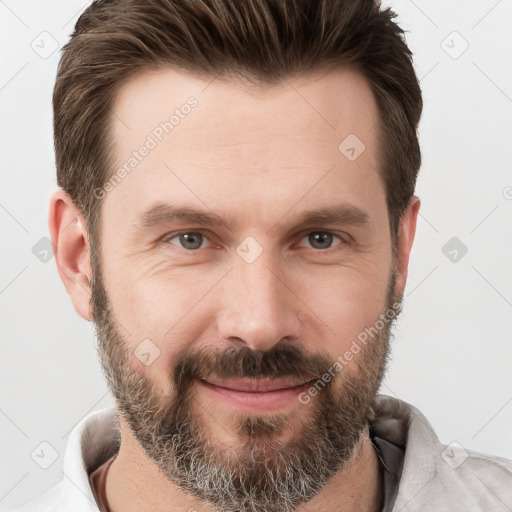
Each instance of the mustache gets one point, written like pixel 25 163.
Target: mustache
pixel 232 362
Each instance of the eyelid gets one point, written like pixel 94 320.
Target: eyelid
pixel 343 237
pixel 168 236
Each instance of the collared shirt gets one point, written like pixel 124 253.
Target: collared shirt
pixel 421 473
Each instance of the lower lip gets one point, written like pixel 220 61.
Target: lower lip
pixel 256 401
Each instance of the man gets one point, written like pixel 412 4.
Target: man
pixel 236 215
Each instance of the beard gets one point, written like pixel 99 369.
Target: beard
pixel 258 473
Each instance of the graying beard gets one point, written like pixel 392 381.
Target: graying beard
pixel 215 484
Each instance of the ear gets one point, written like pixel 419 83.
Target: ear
pixel 71 243
pixel 406 232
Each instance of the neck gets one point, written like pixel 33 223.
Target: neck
pixel 135 483
pixel 356 488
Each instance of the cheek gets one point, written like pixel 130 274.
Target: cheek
pixel 346 303
pixel 143 290
pixel 165 305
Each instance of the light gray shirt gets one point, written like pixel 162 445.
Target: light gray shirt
pixel 421 473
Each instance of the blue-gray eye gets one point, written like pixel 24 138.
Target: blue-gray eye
pixel 321 239
pixel 190 240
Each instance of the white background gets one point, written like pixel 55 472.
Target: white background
pixel 453 348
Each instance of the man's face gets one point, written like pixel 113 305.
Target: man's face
pixel 270 298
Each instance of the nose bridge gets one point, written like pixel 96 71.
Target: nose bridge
pixel 257 306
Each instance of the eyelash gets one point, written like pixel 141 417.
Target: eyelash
pixel 343 239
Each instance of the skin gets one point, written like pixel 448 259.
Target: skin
pixel 262 156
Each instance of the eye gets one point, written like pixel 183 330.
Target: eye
pixel 189 240
pixel 195 240
pixel 322 239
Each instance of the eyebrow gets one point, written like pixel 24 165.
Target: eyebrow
pixel 166 214
pixel 163 213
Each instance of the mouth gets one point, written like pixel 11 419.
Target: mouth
pixel 251 395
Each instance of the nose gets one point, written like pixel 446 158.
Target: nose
pixel 258 306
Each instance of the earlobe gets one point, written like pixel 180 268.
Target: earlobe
pixel 72 255
pixel 406 234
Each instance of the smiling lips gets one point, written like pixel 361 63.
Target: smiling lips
pixel 251 395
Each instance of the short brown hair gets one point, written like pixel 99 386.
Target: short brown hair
pixel 264 41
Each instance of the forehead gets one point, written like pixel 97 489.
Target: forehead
pixel 181 136
pixel 340 101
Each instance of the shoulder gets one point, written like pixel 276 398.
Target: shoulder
pixel 88 444
pixel 461 480
pixel 60 498
pixel 480 478
pixel 439 477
